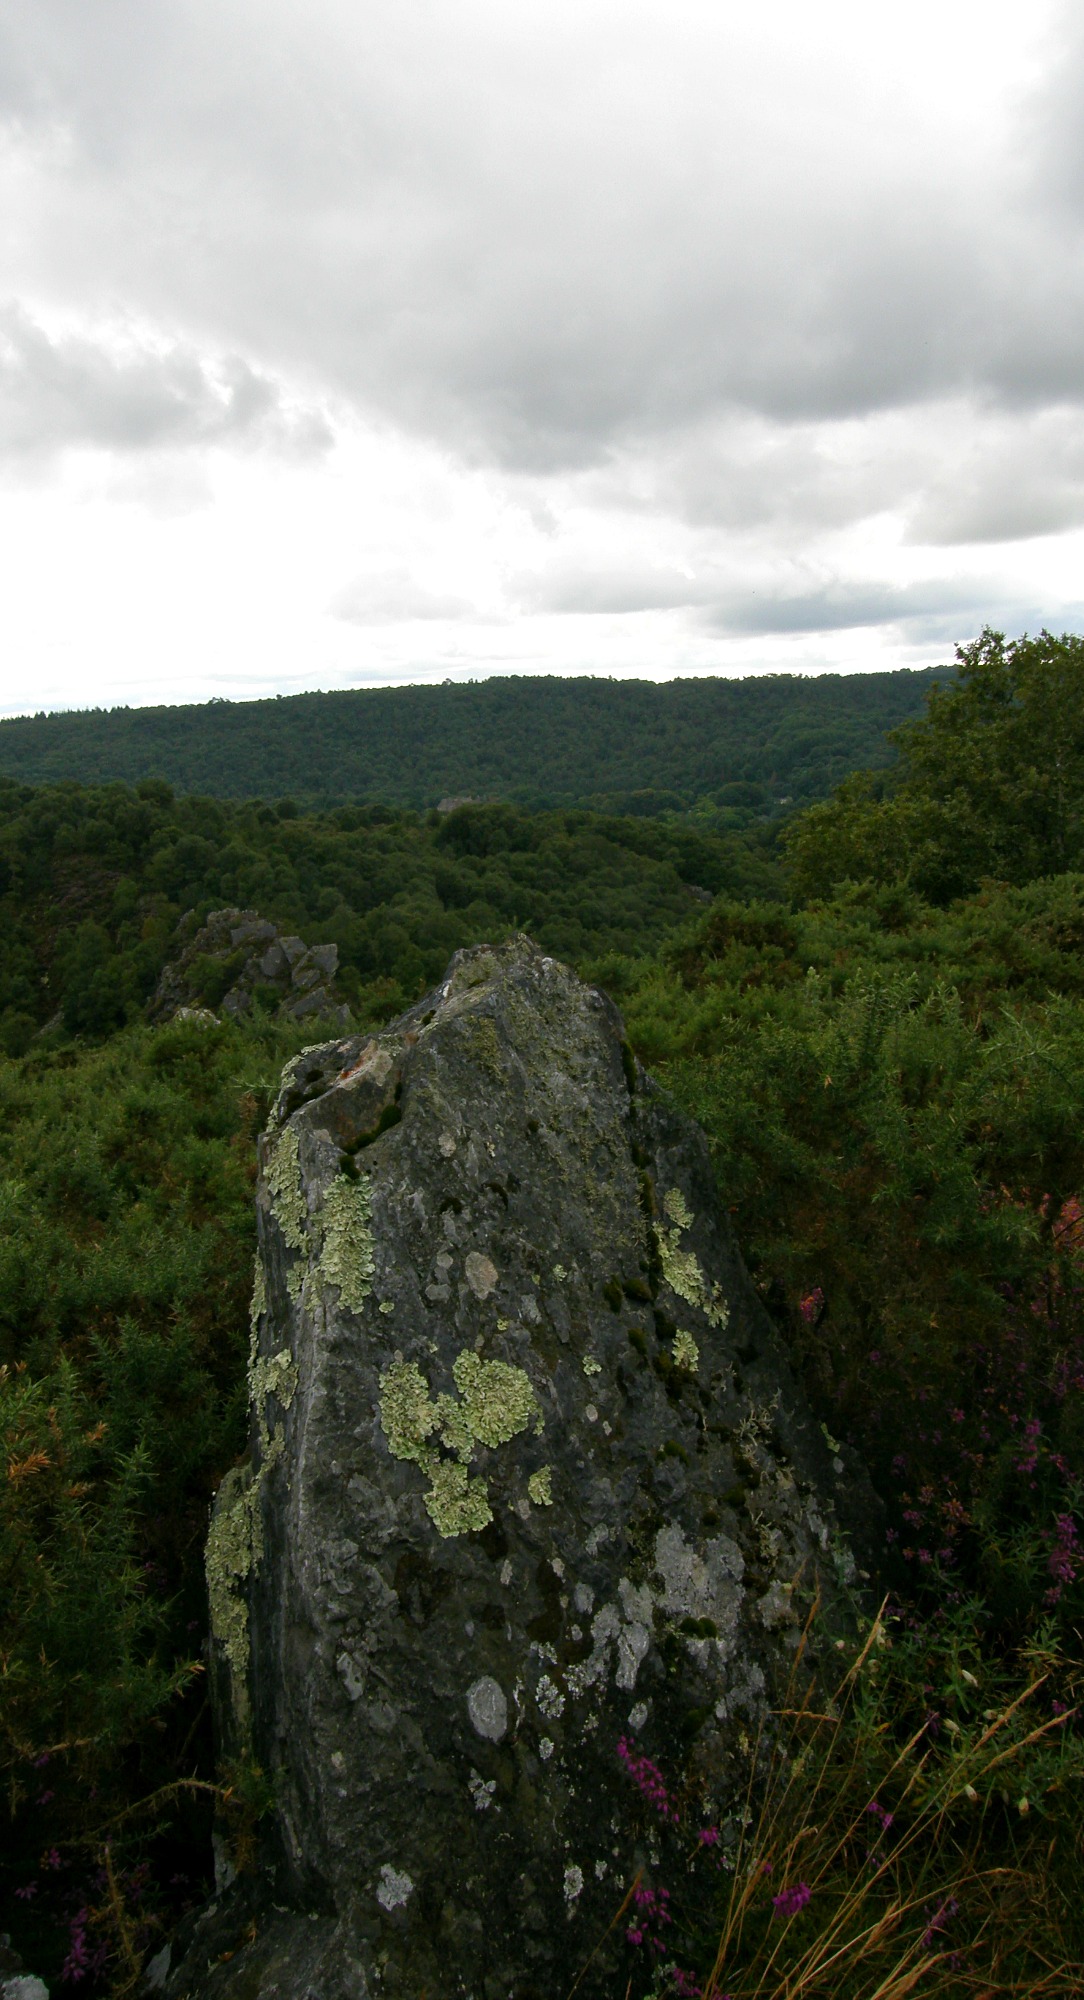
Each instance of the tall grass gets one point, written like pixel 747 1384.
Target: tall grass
pixel 872 1861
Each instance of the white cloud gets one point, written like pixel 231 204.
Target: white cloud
pixel 649 339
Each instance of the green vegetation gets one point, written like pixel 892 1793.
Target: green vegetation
pixel 990 782
pixel 884 1039
pixel 93 881
pixel 744 748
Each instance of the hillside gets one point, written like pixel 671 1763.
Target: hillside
pixel 619 746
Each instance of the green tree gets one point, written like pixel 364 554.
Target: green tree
pixel 990 782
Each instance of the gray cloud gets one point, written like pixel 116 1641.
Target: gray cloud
pixel 938 608
pixel 394 595
pixel 528 239
pixel 131 396
pixel 720 287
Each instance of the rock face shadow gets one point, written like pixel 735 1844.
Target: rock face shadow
pixel 532 1497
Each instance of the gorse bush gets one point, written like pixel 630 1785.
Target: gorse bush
pixel 902 1147
pixel 126 1244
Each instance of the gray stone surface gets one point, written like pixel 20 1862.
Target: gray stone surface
pixel 529 1476
pixel 243 954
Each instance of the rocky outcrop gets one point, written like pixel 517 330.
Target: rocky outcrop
pixel 532 1496
pixel 238 961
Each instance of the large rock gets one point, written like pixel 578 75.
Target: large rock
pixel 236 961
pixel 530 1479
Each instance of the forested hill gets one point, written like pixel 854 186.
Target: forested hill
pixel 623 746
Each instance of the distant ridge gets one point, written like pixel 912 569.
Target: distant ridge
pixel 759 744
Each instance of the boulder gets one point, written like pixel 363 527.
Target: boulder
pixel 238 960
pixel 532 1497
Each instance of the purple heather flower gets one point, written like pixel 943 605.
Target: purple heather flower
pixel 790 1901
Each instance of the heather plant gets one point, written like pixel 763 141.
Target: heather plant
pixel 908 1826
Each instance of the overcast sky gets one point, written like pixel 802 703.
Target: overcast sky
pixel 344 344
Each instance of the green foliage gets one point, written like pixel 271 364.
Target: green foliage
pixel 891 1075
pixel 990 781
pixel 897 1115
pixel 97 879
pixel 126 1245
pixel 731 749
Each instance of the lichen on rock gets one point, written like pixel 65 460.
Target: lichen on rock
pixel 232 1547
pixel 497 1404
pixel 346 1258
pixel 686 1352
pixel 441 1639
pixel 680 1267
pixel 283 1176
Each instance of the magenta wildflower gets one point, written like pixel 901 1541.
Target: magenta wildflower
pixel 790 1901
pixel 649 1780
pixel 708 1836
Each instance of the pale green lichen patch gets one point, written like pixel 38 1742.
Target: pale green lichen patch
pixel 677 1208
pixel 455 1503
pixel 272 1375
pixel 686 1353
pixel 233 1546
pixel 497 1404
pixel 591 1366
pixel 680 1267
pixel 498 1401
pixel 539 1487
pixel 407 1416
pixel 287 1195
pixel 256 1310
pixel 346 1259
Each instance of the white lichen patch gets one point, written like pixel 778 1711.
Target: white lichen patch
pixel 394 1888
pixel 549 1698
pixel 680 1268
pixel 346 1259
pixel 497 1404
pixel 545 1748
pixel 540 1487
pixel 686 1353
pixel 481 1791
pixel 573 1883
pixel 487 1706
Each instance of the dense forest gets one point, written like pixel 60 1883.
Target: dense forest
pixel 877 1013
pixel 735 747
